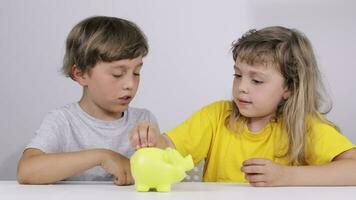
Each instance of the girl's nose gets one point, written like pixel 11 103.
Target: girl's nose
pixel 242 86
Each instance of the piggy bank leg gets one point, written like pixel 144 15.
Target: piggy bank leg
pixel 141 187
pixel 164 188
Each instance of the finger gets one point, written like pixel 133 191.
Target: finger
pixel 255 178
pixel 136 141
pixel 120 180
pixel 116 181
pixel 254 169
pixel 255 161
pixel 119 177
pixel 152 135
pixel 156 127
pixel 132 132
pixel 142 129
pixel 258 184
pixel 129 178
pixel 134 138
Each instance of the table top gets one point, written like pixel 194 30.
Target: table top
pixel 185 190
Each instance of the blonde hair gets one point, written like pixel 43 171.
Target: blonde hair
pixel 102 38
pixel 291 52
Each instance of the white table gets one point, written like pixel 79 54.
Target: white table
pixel 186 190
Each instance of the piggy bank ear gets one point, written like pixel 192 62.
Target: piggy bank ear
pixel 172 156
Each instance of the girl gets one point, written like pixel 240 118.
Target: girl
pixel 273 132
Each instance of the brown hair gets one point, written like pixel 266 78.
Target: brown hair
pixel 291 52
pixel 102 38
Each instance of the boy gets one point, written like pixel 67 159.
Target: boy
pixel 88 140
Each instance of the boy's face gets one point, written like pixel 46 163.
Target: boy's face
pixel 110 87
pixel 258 89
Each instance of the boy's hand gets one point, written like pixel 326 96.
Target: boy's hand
pixel 145 135
pixel 119 166
pixel 263 172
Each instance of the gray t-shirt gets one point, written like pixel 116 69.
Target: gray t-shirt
pixel 70 128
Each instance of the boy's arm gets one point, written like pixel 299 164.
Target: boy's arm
pixel 37 167
pixel 264 172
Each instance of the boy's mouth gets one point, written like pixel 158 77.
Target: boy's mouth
pixel 125 99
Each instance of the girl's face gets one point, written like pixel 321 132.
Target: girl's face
pixel 258 89
pixel 110 87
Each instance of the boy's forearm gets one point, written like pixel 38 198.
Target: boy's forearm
pixel 340 172
pixel 49 168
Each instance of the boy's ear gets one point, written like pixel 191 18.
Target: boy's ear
pixel 79 76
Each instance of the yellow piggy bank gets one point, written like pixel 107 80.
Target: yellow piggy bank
pixel 154 168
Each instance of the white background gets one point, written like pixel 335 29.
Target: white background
pixel 189 64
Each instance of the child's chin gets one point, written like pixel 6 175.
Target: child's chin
pixel 246 114
pixel 122 107
pixel 118 108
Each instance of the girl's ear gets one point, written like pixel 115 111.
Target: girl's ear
pixel 79 76
pixel 286 94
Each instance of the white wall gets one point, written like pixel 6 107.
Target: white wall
pixel 189 64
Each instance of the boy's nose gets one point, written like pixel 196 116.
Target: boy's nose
pixel 129 83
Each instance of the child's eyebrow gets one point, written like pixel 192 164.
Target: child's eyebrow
pixel 126 66
pixel 253 73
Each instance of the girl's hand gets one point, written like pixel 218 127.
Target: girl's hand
pixel 263 172
pixel 119 166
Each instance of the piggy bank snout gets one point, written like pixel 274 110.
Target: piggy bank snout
pixel 188 163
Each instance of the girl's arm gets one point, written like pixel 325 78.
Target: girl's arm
pixel 264 172
pixel 341 171
pixel 37 167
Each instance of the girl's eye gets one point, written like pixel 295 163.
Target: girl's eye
pixel 137 74
pixel 257 82
pixel 117 75
pixel 237 75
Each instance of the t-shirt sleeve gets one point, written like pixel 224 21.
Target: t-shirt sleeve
pixel 48 137
pixel 325 144
pixel 194 136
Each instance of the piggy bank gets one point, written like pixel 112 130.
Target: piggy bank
pixel 154 168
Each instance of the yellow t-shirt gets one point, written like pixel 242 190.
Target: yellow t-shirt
pixel 205 136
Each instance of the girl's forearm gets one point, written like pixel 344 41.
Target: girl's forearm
pixel 164 141
pixel 340 172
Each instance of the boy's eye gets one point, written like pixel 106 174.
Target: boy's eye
pixel 117 75
pixel 237 75
pixel 137 74
pixel 257 81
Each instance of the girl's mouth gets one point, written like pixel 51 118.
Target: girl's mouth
pixel 242 102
